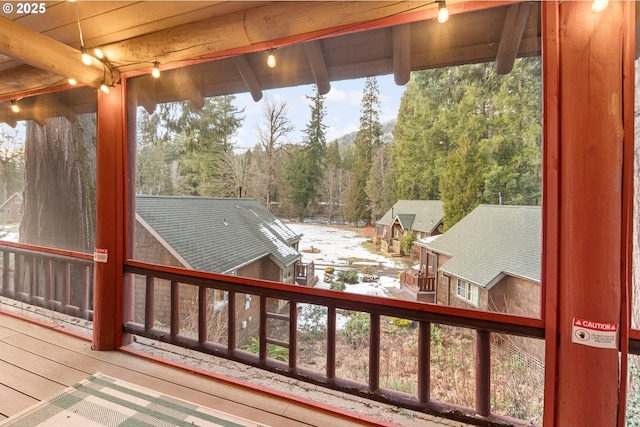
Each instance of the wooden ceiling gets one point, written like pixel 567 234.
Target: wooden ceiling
pixel 315 43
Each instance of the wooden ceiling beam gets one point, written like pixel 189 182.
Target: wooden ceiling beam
pixel 401 54
pixel 514 25
pixel 318 66
pixel 249 77
pixel 51 55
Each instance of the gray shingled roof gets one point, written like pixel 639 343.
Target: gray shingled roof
pixel 493 241
pixel 418 215
pixel 218 234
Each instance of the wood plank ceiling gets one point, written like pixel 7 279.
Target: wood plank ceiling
pixel 315 43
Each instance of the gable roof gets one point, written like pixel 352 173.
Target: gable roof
pixel 418 215
pixel 493 240
pixel 17 194
pixel 217 234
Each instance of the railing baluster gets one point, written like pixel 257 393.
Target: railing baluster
pixel 331 342
pixel 293 335
pixel 424 362
pixel 202 314
pixel 66 288
pixel 48 284
pixel 33 286
pixel 149 303
pixel 175 308
pixel 263 328
pixel 483 372
pixel 374 353
pixel 231 328
pixel 17 270
pixel 6 274
pixel 84 292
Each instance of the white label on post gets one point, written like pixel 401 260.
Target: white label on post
pixel 100 255
pixel 594 334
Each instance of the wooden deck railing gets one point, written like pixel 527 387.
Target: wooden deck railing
pixel 55 279
pixel 423 315
pixel 305 273
pixel 418 281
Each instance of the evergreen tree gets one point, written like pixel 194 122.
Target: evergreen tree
pixel 307 167
pixel 369 135
pixel 379 189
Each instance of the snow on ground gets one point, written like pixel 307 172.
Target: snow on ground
pixel 336 246
pixel 333 246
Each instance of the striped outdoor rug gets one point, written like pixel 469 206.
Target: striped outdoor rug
pixel 104 401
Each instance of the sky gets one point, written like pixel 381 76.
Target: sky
pixel 342 105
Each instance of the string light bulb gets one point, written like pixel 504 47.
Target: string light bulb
pixel 156 70
pixel 599 5
pixel 14 106
pixel 271 59
pixel 98 53
pixel 104 88
pixel 72 81
pixel 443 12
pixel 86 58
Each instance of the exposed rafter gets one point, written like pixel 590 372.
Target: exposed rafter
pixel 514 25
pixel 48 54
pixel 248 76
pixel 401 54
pixel 318 66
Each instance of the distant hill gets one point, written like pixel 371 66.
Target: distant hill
pixel 387 137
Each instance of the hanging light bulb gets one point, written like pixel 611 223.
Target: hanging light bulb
pixel 443 12
pixel 156 70
pixel 72 81
pixel 98 53
pixel 86 58
pixel 14 106
pixel 599 5
pixel 104 88
pixel 271 59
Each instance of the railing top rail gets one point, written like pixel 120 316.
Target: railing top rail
pixel 475 319
pixel 26 248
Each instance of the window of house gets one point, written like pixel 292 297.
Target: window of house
pixel 467 291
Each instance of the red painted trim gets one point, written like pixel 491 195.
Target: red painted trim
pixel 328 409
pixel 626 238
pixel 550 200
pixel 54 251
pixel 46 325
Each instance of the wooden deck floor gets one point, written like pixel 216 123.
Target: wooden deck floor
pixel 36 362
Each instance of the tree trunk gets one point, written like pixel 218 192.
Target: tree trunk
pixel 59 188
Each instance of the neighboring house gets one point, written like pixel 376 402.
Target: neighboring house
pixel 219 235
pixel 422 217
pixel 489 260
pixel 11 209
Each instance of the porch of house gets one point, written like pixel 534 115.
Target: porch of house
pixel 38 360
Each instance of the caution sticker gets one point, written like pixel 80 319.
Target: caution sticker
pixel 594 334
pixel 100 255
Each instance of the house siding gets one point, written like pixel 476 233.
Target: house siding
pixel 515 296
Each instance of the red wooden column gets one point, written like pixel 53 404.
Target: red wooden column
pixel 584 131
pixel 107 302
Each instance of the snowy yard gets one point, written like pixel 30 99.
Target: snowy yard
pixel 333 247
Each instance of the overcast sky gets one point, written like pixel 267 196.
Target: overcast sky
pixel 342 106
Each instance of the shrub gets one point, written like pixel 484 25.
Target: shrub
pixel 348 276
pixel 406 243
pixel 356 330
pixel 273 351
pixel 329 270
pixel 368 274
pixel 338 286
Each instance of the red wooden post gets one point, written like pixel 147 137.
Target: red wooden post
pixel 584 122
pixel 107 303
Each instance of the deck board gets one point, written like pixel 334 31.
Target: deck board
pixel 48 361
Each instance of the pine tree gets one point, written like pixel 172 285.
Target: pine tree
pixel 369 135
pixel 307 168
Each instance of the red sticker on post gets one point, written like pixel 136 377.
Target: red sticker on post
pixel 594 334
pixel 100 255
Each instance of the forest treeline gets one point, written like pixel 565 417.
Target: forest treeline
pixel 464 135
